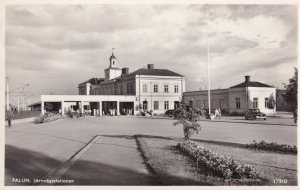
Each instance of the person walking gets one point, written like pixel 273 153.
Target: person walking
pixel 77 111
pixel 9 118
pixel 220 113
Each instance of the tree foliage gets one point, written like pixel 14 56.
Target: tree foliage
pixel 271 102
pixel 291 90
pixel 189 119
pixel 291 94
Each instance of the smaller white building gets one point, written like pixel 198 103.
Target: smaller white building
pixel 238 98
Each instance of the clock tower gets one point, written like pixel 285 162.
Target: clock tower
pixel 112 71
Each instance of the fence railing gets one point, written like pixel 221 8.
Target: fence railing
pixel 23 114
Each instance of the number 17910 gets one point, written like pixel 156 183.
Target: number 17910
pixel 280 181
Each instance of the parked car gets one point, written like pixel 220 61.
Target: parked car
pixel 255 114
pixel 169 113
pixel 176 113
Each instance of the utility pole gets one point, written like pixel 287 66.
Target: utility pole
pixel 18 104
pixel 151 95
pixel 7 95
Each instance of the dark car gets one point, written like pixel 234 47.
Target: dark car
pixel 255 114
pixel 176 113
pixel 169 113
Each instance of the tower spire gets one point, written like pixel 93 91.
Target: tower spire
pixel 112 60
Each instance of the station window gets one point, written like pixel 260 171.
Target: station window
pixel 128 88
pixel 166 105
pixel 155 88
pixel 238 103
pixel 131 87
pixel 176 88
pixel 266 102
pixel 156 105
pixel 145 88
pixel 255 102
pixel 166 87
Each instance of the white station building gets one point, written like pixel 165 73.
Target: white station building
pixel 238 98
pixel 156 90
pixel 122 92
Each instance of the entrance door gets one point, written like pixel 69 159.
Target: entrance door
pixel 176 104
pixel 145 105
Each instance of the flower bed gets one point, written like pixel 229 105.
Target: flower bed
pixel 272 147
pixel 218 165
pixel 48 117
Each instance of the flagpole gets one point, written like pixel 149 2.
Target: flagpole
pixel 208 72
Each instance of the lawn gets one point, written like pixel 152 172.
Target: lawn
pixel 172 167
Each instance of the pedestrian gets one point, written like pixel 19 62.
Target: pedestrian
pixel 77 113
pixel 9 118
pixel 220 113
pixel 216 113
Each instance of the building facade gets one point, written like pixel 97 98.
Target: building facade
pixel 238 98
pixel 154 89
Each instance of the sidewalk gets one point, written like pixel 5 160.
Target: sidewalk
pixel 17 121
pixel 111 161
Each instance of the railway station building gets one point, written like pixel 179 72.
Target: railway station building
pixel 121 92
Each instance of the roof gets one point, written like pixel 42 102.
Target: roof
pixel 35 104
pixel 112 56
pixel 251 84
pixel 155 72
pixel 93 81
pixel 205 90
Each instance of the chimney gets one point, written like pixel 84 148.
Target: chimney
pixel 150 66
pixel 125 71
pixel 247 78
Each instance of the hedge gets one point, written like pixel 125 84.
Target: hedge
pixel 219 165
pixel 283 148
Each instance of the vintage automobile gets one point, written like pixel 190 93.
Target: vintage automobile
pixel 176 113
pixel 169 113
pixel 255 114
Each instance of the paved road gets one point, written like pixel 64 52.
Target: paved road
pixel 33 150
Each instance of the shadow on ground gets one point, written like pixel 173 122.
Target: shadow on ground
pixel 25 164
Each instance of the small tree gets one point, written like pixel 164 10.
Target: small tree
pixel 271 102
pixel 291 93
pixel 189 119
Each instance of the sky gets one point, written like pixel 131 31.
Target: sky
pixel 53 48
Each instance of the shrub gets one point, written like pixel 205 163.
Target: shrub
pixel 48 117
pixel 189 119
pixel 219 165
pixel 272 147
pixel 39 119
